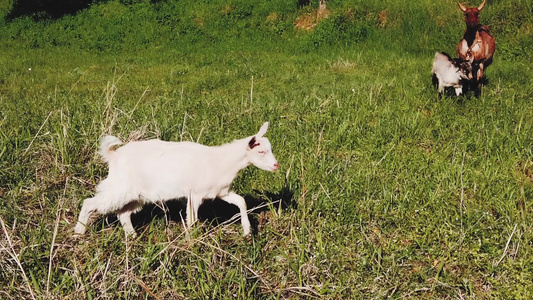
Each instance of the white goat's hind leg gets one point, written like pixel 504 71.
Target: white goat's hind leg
pixel 241 204
pixel 125 219
pixel 86 210
pixel 124 215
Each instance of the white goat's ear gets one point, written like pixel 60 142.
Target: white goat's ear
pixel 253 143
pixel 262 130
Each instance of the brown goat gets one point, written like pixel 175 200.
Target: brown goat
pixel 477 45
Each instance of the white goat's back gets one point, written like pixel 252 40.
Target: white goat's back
pixel 442 64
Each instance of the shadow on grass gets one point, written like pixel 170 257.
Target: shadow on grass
pixel 214 212
pixel 470 88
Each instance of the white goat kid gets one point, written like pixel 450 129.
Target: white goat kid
pixel 448 72
pixel 156 171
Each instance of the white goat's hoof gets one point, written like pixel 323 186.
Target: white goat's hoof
pixel 246 232
pixel 130 234
pixel 80 228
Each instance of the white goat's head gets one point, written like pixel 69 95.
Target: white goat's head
pixel 259 151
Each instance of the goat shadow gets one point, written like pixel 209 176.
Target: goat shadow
pixel 475 86
pixel 214 212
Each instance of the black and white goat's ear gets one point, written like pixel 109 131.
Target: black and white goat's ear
pixel 252 143
pixel 262 130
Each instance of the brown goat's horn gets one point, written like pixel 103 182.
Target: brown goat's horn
pixel 480 7
pixel 463 8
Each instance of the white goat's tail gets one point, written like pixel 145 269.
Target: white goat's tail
pixel 106 147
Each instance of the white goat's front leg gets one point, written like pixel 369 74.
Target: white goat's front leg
pixel 440 89
pixel 458 90
pixel 193 204
pixel 241 204
pixel 83 220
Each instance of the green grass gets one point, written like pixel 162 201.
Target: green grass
pixel 387 191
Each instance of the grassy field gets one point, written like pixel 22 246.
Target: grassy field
pixel 384 191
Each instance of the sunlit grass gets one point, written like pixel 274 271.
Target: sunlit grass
pixel 386 191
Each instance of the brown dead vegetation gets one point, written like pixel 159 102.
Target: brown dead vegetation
pixel 382 18
pixel 308 21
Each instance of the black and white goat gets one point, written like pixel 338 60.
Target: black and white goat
pixel 449 72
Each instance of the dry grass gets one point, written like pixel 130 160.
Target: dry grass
pixel 309 20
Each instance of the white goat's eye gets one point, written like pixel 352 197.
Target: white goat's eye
pixel 261 152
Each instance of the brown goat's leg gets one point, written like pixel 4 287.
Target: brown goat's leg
pixel 480 72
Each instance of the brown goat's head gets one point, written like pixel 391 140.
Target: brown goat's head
pixel 471 14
